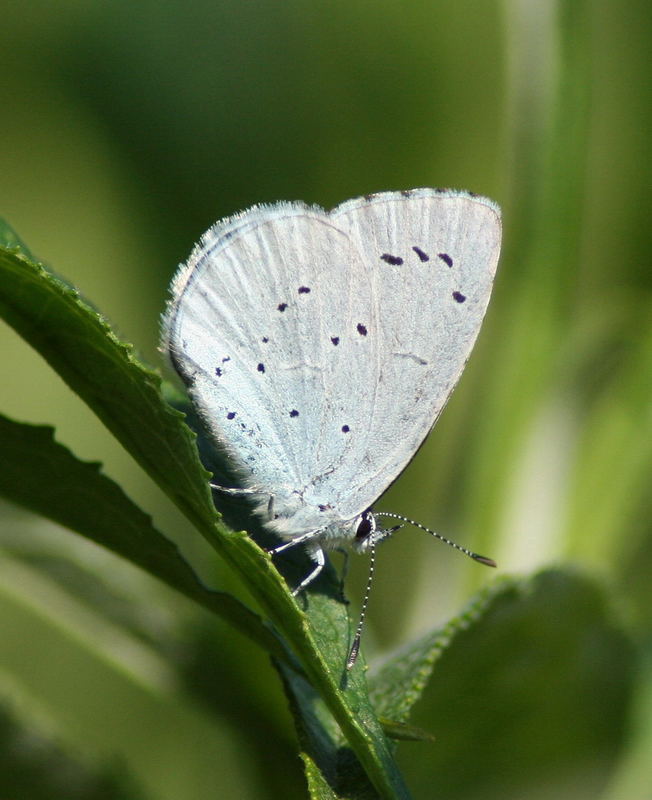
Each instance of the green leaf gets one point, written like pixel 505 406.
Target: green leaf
pixel 317 785
pixel 316 730
pixel 33 766
pixel 405 733
pixel 10 240
pixel 530 698
pixel 79 345
pixel 44 476
pixel 397 685
pixel 322 742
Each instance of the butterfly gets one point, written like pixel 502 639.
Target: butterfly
pixel 320 347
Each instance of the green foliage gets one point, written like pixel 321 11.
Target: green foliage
pixel 536 659
pixel 103 372
pixel 353 754
pixel 149 667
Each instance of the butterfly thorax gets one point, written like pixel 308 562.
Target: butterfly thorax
pixel 294 518
pixel 297 519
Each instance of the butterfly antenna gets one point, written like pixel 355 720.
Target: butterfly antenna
pixel 355 647
pixel 489 562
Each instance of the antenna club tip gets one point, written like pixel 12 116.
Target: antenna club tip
pixel 488 562
pixel 353 655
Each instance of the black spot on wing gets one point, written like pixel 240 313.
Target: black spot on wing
pixel 294 413
pixel 335 340
pixel 388 258
pixel 446 259
pixel 304 290
pixel 422 256
pixel 261 368
pixel 230 415
pixel 345 429
pixel 459 297
pixel 281 307
pixel 362 330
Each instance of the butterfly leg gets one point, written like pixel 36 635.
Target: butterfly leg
pixel 317 555
pixel 235 492
pixel 314 551
pixel 345 562
pixel 302 539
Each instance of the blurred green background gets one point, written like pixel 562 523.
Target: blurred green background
pixel 127 129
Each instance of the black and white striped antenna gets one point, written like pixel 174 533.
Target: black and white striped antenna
pixel 355 647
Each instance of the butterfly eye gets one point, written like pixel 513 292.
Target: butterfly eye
pixel 365 526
